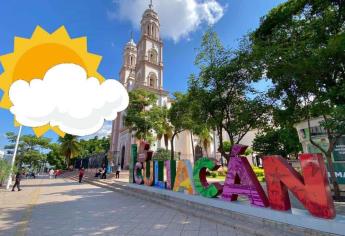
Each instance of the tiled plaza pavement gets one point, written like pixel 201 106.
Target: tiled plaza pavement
pixel 63 207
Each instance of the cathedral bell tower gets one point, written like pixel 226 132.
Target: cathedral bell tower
pixel 149 70
pixel 127 72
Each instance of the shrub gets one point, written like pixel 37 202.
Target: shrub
pixel 161 155
pixel 259 172
pixel 5 169
pixel 214 174
pixel 222 171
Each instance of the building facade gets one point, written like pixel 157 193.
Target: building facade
pixel 318 134
pixel 143 68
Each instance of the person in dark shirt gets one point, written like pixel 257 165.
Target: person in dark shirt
pixel 17 183
pixel 81 174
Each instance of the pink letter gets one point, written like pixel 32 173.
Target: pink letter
pixel 241 179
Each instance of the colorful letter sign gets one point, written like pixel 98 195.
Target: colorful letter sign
pixel 159 174
pixel 183 180
pixel 199 176
pixel 148 173
pixel 138 176
pixel 170 168
pixel 241 179
pixel 312 190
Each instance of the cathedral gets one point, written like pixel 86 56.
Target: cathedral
pixel 143 69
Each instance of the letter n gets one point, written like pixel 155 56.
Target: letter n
pixel 312 190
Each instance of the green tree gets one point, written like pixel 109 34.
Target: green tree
pixel 277 141
pixel 5 169
pixel 223 96
pixel 31 149
pixel 138 117
pixel 93 146
pixel 55 156
pixel 161 124
pixel 227 146
pixel 70 147
pixel 180 116
pixel 205 138
pixel 300 47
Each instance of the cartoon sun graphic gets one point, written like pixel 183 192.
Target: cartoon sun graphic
pixel 33 57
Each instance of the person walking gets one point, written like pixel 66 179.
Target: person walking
pixel 51 173
pixel 17 183
pixel 118 170
pixel 81 174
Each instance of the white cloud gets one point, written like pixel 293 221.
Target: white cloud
pixel 178 18
pixel 68 99
pixel 105 131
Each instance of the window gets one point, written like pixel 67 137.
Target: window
pixel 152 80
pixel 153 56
pixel 317 130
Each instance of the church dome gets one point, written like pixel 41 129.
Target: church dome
pixel 131 44
pixel 150 13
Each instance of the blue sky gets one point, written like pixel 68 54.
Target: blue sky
pixel 107 28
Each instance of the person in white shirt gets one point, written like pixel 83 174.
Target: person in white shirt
pixel 51 173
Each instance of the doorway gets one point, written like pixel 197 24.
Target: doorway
pixel 123 151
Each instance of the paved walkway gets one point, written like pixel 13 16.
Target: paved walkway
pixel 63 207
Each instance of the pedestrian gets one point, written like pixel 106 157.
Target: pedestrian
pixel 51 173
pixel 98 174
pixel 56 173
pixel 104 173
pixel 17 183
pixel 81 174
pixel 117 175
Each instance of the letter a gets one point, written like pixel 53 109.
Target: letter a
pixel 241 179
pixel 183 179
pixel 312 190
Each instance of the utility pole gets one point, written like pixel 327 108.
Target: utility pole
pixel 14 157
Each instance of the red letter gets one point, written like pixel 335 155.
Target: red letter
pixel 312 190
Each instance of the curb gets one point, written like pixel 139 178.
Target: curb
pixel 247 224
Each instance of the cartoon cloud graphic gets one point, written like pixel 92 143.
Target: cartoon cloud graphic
pixel 66 98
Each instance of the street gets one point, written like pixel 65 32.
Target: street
pixel 63 207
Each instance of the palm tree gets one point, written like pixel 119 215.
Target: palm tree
pixel 205 139
pixel 161 124
pixel 70 147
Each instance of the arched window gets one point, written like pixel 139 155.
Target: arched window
pixel 153 56
pixel 148 29
pixel 131 60
pixel 153 80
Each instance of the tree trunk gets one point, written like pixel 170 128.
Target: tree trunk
pixel 221 148
pixel 191 140
pixel 333 178
pixel 166 142
pixel 172 146
pixel 328 155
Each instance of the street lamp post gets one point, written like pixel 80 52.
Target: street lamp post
pixel 14 157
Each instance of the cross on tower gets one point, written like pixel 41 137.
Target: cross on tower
pixel 151 5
